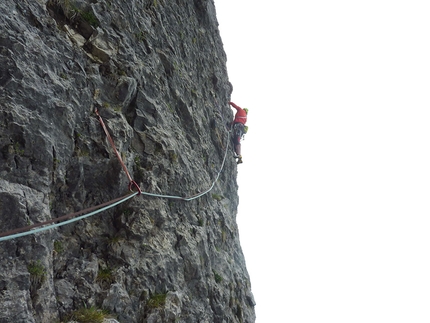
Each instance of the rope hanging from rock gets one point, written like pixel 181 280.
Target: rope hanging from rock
pixel 132 182
pixel 195 196
pixel 76 216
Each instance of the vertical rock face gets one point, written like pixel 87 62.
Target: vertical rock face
pixel 155 69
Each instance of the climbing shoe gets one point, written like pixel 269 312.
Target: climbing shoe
pixel 239 161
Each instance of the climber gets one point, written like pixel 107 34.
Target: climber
pixel 238 129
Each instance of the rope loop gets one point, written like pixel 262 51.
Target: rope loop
pixel 134 184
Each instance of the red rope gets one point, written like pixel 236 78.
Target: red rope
pixel 87 210
pixel 132 182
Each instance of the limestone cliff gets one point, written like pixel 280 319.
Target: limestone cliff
pixel 156 71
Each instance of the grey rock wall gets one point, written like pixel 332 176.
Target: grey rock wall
pixel 156 71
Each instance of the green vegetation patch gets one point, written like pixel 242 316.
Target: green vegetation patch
pixel 58 246
pixel 218 277
pixel 37 271
pixel 89 315
pixel 89 17
pixel 217 197
pixel 105 275
pixel 157 300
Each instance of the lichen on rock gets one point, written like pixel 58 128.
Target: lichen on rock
pixel 156 72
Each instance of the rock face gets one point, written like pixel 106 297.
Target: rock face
pixel 155 69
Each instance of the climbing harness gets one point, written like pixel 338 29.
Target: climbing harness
pixel 76 216
pixel 239 129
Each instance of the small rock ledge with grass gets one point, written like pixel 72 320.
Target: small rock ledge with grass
pixel 156 72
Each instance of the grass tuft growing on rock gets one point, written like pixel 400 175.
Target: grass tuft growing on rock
pixel 157 300
pixel 105 275
pixel 58 246
pixel 89 17
pixel 218 277
pixel 217 197
pixel 37 271
pixel 89 315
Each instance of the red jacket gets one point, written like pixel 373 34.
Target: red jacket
pixel 240 116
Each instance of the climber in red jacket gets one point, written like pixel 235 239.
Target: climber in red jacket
pixel 238 129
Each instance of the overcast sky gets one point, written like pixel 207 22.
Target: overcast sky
pixel 334 188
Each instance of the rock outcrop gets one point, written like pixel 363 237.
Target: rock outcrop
pixel 156 71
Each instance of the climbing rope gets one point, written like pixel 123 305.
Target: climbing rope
pixel 73 217
pixel 193 197
pixel 76 216
pixel 132 182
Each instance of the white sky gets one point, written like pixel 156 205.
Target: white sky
pixel 335 186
